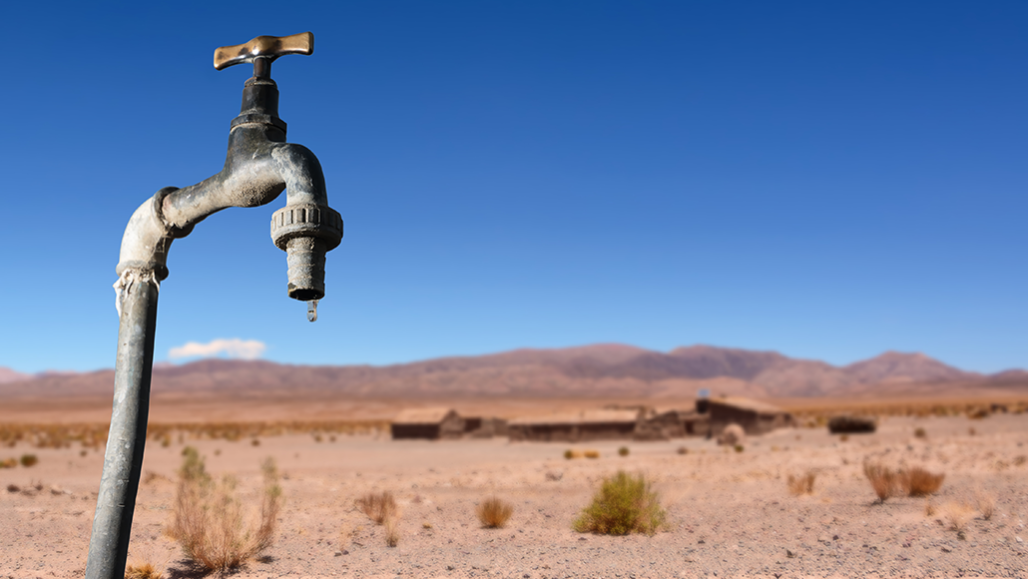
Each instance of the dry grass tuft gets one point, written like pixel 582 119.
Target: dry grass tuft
pixel 571 454
pixel 985 503
pixel 379 507
pixel 918 482
pixel 882 480
pixel 913 482
pixel 802 485
pixel 592 454
pixel 391 524
pixel 142 571
pixel 929 508
pixel 957 514
pixel 494 512
pixel 623 451
pixel 208 516
pixel 623 505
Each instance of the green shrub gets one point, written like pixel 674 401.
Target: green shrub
pixel 623 505
pixel 28 460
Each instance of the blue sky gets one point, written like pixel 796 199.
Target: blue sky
pixel 828 180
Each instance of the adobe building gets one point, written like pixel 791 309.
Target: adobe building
pixel 479 427
pixel 576 426
pixel 668 423
pixel 753 416
pixel 427 423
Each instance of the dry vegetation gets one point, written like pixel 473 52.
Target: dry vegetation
pixel 379 507
pixel 392 530
pixel 802 484
pixel 142 571
pixel 494 512
pixel 918 482
pixel 94 436
pixel 819 416
pixel 957 514
pixel 624 504
pixel 985 503
pixel 912 482
pixel 208 518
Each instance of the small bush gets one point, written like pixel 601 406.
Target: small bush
pixel 682 450
pixel 255 442
pixel 918 482
pixel 28 460
pixel 142 571
pixel 739 448
pixel 920 433
pixel 570 454
pixel 9 463
pixel 208 516
pixel 802 485
pixel 378 506
pixel 392 530
pixel 957 514
pixel 592 454
pixel 623 505
pixel 985 502
pixel 882 480
pixel 494 512
pixel 929 508
pixel 971 431
pixel 852 425
pixel 623 451
pixel 978 413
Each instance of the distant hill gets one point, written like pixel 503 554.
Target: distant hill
pixel 612 370
pixel 8 375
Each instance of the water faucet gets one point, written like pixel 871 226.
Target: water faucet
pixel 258 167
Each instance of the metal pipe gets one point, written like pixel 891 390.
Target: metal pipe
pixel 123 459
pixel 258 167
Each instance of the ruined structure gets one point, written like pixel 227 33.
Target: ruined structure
pixel 427 423
pixel 754 417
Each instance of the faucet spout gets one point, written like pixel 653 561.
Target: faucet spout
pixel 259 165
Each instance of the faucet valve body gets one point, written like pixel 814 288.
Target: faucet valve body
pixel 306 232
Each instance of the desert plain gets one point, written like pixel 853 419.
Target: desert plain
pixel 730 513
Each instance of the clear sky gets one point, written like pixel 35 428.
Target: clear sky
pixel 825 179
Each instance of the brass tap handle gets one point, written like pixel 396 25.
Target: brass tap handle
pixel 264 47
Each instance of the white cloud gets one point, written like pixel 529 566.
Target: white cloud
pixel 230 348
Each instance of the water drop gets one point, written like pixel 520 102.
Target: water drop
pixel 312 311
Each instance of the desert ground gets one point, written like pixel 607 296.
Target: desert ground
pixel 730 513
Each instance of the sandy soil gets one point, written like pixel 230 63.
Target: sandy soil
pixel 730 513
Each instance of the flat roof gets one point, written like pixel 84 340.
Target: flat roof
pixel 583 417
pixel 422 415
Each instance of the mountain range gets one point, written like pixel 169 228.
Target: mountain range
pixel 604 370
